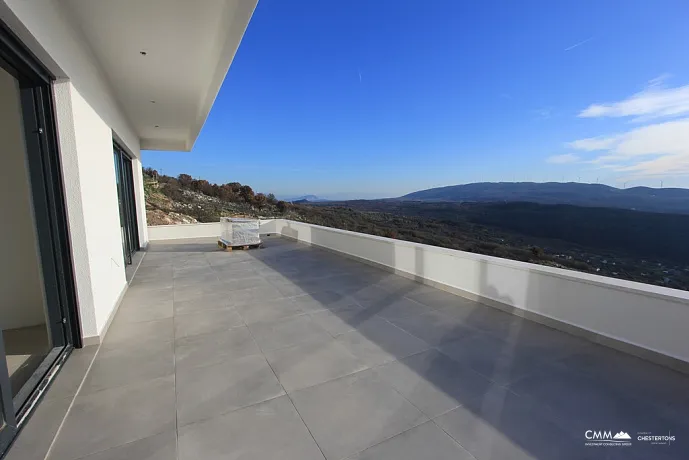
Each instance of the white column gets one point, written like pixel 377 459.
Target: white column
pixel 93 214
pixel 140 201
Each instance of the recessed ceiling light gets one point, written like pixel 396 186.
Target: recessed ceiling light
pixel 143 53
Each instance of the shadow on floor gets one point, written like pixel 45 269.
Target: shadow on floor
pixel 520 389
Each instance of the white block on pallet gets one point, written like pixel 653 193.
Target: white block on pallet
pixel 239 232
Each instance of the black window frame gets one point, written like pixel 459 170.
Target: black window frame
pixel 126 201
pixel 50 213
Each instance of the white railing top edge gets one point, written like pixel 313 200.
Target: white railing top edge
pixel 262 219
pixel 182 225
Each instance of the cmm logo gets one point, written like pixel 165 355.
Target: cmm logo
pixel 606 438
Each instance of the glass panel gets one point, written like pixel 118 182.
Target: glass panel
pixel 131 204
pixel 121 203
pixel 125 195
pixel 23 311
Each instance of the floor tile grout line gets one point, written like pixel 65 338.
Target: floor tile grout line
pixel 409 333
pixel 174 373
pixel 285 391
pixel 83 380
pixel 114 447
pixel 416 425
pixel 448 434
pixel 71 404
pixel 404 397
pixel 429 420
pixel 228 412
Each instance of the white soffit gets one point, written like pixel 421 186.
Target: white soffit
pixel 188 45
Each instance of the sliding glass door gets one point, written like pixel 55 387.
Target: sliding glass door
pixel 125 194
pixel 38 323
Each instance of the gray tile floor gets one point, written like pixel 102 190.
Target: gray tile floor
pixel 294 353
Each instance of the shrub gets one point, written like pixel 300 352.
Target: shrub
pixel 185 180
pixel 246 193
pixel 260 200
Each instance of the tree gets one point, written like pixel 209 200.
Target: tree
pixel 271 198
pixel 226 194
pixel 246 193
pixel 282 206
pixel 260 200
pixel 235 187
pixel 202 186
pixel 185 180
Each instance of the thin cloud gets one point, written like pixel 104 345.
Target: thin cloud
pixel 543 113
pixel 563 159
pixel 654 150
pixel 655 101
pixel 359 70
pixel 591 144
pixel 577 45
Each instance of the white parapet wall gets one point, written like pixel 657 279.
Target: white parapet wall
pixel 183 231
pixel 205 230
pixel 646 320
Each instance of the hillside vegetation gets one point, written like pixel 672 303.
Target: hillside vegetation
pixel 645 247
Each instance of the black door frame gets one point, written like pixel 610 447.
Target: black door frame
pixel 126 202
pixel 50 214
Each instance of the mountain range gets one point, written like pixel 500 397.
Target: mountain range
pixel 306 198
pixel 666 200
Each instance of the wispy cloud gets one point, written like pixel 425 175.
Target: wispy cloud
pixel 591 144
pixel 543 113
pixel 658 149
pixel 359 70
pixel 655 101
pixel 576 45
pixel 563 159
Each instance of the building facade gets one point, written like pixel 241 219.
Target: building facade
pixel 84 87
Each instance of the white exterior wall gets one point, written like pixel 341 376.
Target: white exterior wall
pixel 92 207
pixel 88 118
pixel 642 315
pixel 100 207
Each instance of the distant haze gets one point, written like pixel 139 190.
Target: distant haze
pixel 668 200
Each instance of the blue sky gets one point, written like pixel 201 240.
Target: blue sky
pixel 376 98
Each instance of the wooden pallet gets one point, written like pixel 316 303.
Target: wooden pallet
pixel 228 248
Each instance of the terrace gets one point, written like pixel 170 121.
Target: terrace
pixel 294 352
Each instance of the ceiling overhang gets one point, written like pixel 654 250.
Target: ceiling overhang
pixel 165 60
